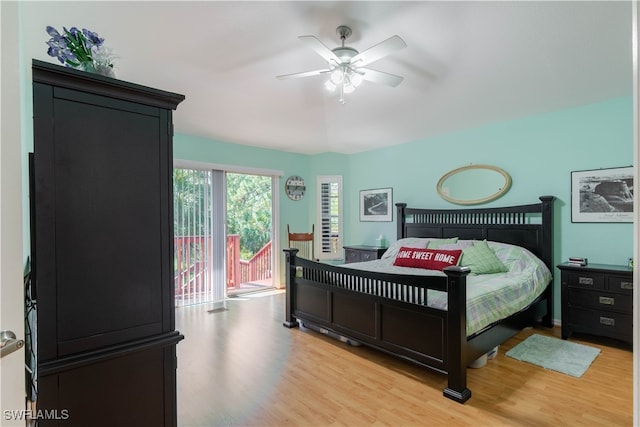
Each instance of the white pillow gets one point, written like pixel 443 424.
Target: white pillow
pixel 409 242
pixel 461 244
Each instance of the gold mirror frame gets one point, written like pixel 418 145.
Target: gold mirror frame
pixel 501 191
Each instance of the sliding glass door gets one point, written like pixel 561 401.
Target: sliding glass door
pixel 195 278
pixel 222 234
pixel 249 224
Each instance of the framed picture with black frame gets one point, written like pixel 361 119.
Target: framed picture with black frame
pixel 376 205
pixel 602 195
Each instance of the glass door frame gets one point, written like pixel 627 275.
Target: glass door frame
pixel 276 176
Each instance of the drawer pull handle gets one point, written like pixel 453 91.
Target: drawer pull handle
pixel 626 285
pixel 608 321
pixel 606 300
pixel 585 280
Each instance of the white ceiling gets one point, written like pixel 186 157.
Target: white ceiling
pixel 466 64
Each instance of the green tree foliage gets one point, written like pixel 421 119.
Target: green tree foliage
pixel 249 211
pixel 191 191
pixel 248 207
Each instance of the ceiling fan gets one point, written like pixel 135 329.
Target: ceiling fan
pixel 346 66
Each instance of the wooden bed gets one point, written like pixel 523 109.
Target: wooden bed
pixel 379 309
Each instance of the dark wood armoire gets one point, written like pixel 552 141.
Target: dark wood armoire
pixel 102 250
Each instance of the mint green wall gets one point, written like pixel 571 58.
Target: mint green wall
pixel 539 152
pixel 295 213
pixel 198 149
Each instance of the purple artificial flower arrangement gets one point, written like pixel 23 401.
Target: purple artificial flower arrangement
pixel 80 49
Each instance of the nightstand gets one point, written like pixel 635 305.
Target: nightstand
pixel 597 299
pixel 361 253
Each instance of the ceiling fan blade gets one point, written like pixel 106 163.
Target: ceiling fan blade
pixel 305 74
pixel 380 77
pixel 320 48
pixel 378 51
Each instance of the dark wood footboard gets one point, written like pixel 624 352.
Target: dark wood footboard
pixel 390 312
pixel 385 311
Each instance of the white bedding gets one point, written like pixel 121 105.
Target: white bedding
pixel 490 297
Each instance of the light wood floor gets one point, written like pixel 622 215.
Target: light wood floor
pixel 241 367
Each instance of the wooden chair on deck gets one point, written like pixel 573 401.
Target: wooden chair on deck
pixel 304 242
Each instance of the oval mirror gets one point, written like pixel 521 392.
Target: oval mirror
pixel 474 184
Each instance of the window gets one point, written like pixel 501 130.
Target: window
pixel 330 217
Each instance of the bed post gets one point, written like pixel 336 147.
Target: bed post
pixel 290 265
pixel 457 334
pixel 547 255
pixel 400 219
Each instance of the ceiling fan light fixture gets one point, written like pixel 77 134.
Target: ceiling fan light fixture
pixel 337 76
pixel 349 88
pixel 344 78
pixel 346 65
pixel 329 85
pixel 355 78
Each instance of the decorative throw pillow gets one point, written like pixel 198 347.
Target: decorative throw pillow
pixel 410 242
pixel 436 243
pixel 430 259
pixel 481 259
pixel 462 244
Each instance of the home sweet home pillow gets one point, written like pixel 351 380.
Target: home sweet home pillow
pixel 430 259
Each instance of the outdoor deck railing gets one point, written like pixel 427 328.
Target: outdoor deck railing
pixel 258 267
pixel 190 268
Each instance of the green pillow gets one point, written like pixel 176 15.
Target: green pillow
pixel 435 243
pixel 481 259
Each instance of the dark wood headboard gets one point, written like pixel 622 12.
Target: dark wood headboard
pixel 529 226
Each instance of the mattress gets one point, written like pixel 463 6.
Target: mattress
pixel 490 297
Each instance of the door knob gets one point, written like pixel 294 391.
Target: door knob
pixel 9 343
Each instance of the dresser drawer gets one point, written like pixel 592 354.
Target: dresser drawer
pixel 362 253
pixel 620 284
pixel 597 299
pixel 600 300
pixel 600 322
pixel 586 280
pixel 352 256
pixel 368 256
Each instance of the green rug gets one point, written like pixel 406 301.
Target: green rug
pixel 555 354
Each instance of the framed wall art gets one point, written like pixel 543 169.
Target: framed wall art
pixel 602 195
pixel 376 205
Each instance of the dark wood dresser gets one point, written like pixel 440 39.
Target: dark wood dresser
pixel 102 249
pixel 597 299
pixel 360 253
